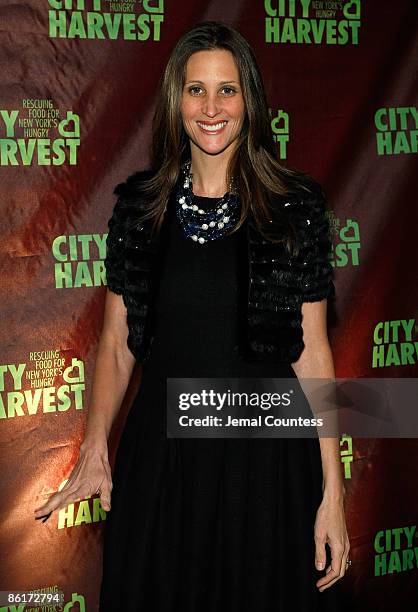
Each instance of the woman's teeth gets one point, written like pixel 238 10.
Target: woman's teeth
pixel 212 128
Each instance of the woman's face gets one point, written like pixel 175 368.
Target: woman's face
pixel 212 105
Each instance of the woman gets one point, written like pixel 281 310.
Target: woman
pixel 216 267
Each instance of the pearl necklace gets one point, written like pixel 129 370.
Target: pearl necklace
pixel 204 225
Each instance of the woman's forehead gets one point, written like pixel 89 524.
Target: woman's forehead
pixel 214 63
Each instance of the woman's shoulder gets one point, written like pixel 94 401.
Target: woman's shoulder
pixel 304 191
pixel 309 217
pixel 132 196
pixel 304 204
pixel 302 209
pixel 134 186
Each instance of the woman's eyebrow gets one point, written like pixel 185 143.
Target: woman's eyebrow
pixel 220 82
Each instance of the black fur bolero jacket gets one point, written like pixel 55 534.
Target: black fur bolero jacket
pixel 274 284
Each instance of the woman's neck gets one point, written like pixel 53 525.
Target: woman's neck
pixel 209 173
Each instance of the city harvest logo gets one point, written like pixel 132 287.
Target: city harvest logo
pixel 394 344
pixel 330 22
pixel 280 129
pixel 395 550
pixel 346 454
pixel 51 599
pixel 396 130
pixel 48 383
pixel 38 134
pixel 102 19
pixel 346 250
pixel 80 260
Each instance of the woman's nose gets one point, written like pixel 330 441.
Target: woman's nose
pixel 211 105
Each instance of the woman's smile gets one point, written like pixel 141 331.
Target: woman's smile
pixel 212 128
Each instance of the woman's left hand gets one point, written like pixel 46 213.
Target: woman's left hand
pixel 330 528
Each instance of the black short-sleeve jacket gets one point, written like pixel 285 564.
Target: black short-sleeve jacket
pixel 278 283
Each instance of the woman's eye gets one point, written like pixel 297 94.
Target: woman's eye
pixel 196 90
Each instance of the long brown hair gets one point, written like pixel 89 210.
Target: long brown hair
pixel 257 174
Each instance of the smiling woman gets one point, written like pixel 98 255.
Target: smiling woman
pixel 213 110
pixel 217 266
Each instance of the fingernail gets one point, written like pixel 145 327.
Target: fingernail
pixel 320 566
pixel 44 517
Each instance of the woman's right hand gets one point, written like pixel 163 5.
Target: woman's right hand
pixel 91 475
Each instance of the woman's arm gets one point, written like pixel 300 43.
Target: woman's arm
pixel 113 368
pixel 330 526
pixel 316 362
pixel 112 372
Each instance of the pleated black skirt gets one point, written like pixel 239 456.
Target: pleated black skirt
pixel 204 525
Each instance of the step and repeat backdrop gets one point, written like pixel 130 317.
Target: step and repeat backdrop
pixel 78 82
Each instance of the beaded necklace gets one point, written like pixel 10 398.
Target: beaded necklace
pixel 204 225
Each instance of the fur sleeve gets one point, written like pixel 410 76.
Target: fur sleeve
pixel 114 261
pixel 128 201
pixel 315 271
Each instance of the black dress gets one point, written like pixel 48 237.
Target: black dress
pixel 205 525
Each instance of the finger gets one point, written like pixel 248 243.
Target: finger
pixel 70 483
pixel 332 575
pixel 108 473
pixel 43 518
pixel 105 501
pixel 329 584
pixel 105 494
pixel 81 493
pixel 344 562
pixel 320 555
pixel 333 570
pixel 106 488
pixel 337 553
pixel 327 580
pixel 52 504
pixel 47 508
pixel 59 500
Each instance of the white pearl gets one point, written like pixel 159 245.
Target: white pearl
pixel 219 211
pixel 194 207
pixel 182 200
pixel 205 226
pixel 194 238
pixel 202 212
pixel 225 206
pixel 225 219
pixel 212 224
pixel 184 206
pixel 220 225
pixel 201 240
